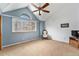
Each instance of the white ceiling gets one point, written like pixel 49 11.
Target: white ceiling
pixel 11 6
pixel 4 7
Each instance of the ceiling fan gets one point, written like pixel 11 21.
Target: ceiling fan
pixel 41 8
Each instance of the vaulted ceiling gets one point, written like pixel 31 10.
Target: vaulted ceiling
pixel 4 7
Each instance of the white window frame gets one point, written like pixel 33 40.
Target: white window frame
pixel 20 25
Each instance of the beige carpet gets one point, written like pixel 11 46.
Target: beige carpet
pixel 40 48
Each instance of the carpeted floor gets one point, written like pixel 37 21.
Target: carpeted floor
pixel 40 48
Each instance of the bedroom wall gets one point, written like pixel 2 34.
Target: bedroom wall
pixel 10 37
pixel 62 13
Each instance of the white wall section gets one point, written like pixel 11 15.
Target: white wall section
pixel 62 13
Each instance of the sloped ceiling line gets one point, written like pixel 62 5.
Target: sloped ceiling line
pixel 6 7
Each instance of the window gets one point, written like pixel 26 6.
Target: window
pixel 19 25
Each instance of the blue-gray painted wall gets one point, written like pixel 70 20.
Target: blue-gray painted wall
pixel 10 37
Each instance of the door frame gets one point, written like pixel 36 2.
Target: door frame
pixel 0 32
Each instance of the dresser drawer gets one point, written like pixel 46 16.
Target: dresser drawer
pixel 74 43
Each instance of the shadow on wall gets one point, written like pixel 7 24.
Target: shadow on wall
pixel 49 37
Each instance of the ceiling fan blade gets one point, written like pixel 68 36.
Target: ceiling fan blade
pixel 35 10
pixel 34 5
pixel 45 11
pixel 45 5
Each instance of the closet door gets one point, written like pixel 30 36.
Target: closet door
pixel 0 33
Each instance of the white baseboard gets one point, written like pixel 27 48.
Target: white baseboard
pixel 61 41
pixel 19 42
pixel 28 41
